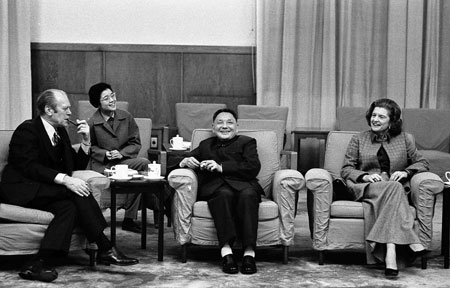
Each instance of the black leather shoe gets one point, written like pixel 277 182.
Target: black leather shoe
pixel 248 265
pixel 391 273
pixel 229 265
pixel 130 225
pixel 115 257
pixel 36 270
pixel 411 255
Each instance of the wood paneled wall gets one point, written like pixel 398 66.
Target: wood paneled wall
pixel 151 78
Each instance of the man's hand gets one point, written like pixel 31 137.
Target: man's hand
pixel 78 186
pixel 190 162
pixel 83 129
pixel 211 165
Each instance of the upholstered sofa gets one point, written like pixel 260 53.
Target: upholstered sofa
pixel 22 228
pixel 430 127
pixel 192 220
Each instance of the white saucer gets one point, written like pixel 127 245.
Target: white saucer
pixel 447 183
pixel 178 149
pixel 153 178
pixel 137 176
pixel 120 179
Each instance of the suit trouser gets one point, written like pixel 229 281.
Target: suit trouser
pixel 69 210
pixel 235 214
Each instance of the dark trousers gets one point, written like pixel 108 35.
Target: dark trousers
pixel 235 214
pixel 69 210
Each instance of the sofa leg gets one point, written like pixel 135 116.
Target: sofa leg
pixel 321 257
pixel 285 254
pixel 424 261
pixel 183 253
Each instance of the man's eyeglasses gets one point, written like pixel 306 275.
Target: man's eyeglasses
pixel 108 97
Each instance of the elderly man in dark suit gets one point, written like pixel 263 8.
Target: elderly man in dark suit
pixel 227 167
pixel 38 175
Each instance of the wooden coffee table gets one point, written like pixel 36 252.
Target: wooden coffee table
pixel 144 187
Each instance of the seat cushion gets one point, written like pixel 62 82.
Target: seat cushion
pixel 267 210
pixel 352 209
pixel 347 209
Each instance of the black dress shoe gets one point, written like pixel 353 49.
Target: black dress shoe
pixel 391 273
pixel 411 255
pixel 115 257
pixel 229 265
pixel 36 270
pixel 248 265
pixel 130 225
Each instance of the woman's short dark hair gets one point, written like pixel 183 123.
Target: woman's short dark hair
pixel 95 91
pixel 395 113
pixel 225 110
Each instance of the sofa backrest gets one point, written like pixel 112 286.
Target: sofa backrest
pixel 145 131
pixel 190 116
pixel 266 141
pixel 278 126
pixel 351 119
pixel 430 127
pixel 5 138
pixel 337 143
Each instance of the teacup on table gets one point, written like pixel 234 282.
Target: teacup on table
pixel 177 142
pixel 154 170
pixel 120 171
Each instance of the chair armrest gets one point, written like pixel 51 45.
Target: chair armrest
pixel 319 184
pixel 424 188
pixel 99 183
pixel 286 186
pixel 289 159
pixel 24 215
pixel 184 182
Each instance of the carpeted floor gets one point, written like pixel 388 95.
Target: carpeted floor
pixel 341 269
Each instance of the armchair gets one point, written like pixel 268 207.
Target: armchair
pixel 192 220
pixel 23 228
pixel 339 224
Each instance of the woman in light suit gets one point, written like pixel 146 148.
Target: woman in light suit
pixel 377 166
pixel 115 140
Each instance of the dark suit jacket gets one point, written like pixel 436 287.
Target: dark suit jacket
pixel 32 162
pixel 240 164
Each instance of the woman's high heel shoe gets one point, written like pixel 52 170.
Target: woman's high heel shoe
pixel 391 273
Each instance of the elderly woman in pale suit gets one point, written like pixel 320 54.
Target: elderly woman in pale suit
pixel 377 168
pixel 115 140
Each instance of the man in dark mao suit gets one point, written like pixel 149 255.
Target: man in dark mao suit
pixel 227 166
pixel 38 175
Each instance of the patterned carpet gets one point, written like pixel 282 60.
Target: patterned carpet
pixel 203 268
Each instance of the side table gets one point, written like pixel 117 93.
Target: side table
pixel 144 187
pixel 445 241
pixel 304 133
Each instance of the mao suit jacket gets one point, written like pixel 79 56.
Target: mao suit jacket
pixel 239 160
pixel 32 162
